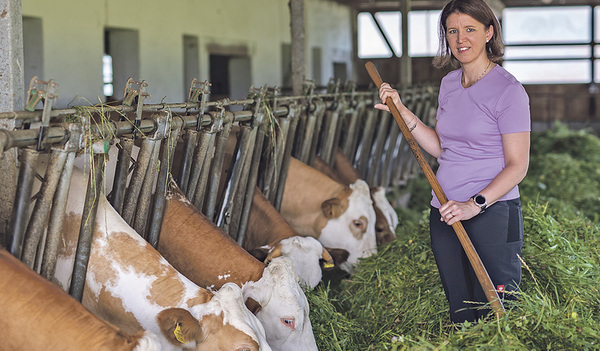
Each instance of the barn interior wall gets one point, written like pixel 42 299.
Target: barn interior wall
pixel 73 40
pixel 576 105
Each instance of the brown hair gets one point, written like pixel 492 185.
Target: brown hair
pixel 481 12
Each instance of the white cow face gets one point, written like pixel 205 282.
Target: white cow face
pixel 233 318
pixel 284 309
pixel 306 254
pixel 354 229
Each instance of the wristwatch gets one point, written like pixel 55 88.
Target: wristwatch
pixel 480 201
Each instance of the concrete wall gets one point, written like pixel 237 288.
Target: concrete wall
pixel 73 40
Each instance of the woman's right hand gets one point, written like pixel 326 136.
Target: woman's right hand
pixel 386 91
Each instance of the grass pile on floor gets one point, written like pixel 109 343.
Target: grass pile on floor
pixel 395 301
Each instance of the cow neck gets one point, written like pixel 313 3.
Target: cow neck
pixel 345 169
pixel 201 250
pixel 265 224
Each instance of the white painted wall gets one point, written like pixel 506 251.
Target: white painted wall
pixel 73 40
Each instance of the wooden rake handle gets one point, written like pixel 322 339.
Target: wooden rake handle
pixel 465 241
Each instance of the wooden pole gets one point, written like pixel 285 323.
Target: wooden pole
pixel 484 279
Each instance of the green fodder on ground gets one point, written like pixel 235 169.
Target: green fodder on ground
pixel 395 301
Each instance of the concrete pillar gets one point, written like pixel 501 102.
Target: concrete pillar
pixel 405 61
pixel 298 45
pixel 12 98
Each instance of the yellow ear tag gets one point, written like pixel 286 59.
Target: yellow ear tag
pixel 328 265
pixel 179 334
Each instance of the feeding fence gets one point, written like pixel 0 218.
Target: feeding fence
pixel 190 142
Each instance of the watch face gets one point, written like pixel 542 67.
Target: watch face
pixel 480 200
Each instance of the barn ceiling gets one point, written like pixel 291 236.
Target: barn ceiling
pixel 391 5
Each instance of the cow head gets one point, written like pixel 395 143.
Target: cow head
pixel 351 224
pixel 306 254
pixel 280 304
pixel 224 323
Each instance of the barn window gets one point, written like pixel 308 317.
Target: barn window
pixel 546 45
pixel 380 34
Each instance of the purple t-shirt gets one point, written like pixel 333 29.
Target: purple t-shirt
pixel 470 124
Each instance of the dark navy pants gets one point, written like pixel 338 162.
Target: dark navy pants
pixel 497 235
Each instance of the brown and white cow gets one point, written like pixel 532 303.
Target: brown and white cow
pixel 210 257
pixel 344 168
pixel 339 216
pixel 129 284
pixel 38 315
pixel 269 235
pixel 384 230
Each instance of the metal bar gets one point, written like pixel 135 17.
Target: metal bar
pixel 86 231
pixel 364 149
pixel 41 209
pixel 215 174
pixel 20 213
pixel 189 141
pixel 57 218
pixel 117 196
pixel 223 218
pixel 158 210
pixel 248 187
pixel 295 114
pixel 202 153
pixel 201 188
pixel 143 202
pixel 137 179
pixel 374 176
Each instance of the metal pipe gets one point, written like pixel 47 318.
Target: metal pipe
pixel 86 231
pixel 285 162
pixel 137 179
pixel 244 152
pixel 158 209
pixel 373 177
pixel 315 137
pixel 364 150
pixel 117 195
pixel 189 141
pixel 205 168
pixel 41 209
pixel 144 199
pixel 57 218
pixel 20 213
pixel 202 154
pixel 247 187
pixel 216 168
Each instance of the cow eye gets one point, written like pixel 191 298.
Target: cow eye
pixel 358 224
pixel 289 322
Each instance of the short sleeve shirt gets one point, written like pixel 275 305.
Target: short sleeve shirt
pixel 470 124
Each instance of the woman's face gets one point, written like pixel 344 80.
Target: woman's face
pixel 467 37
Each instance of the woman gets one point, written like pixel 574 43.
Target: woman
pixel 481 142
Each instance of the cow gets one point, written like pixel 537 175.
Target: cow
pixel 38 315
pixel 269 235
pixel 210 257
pixel 344 168
pixel 129 284
pixel 339 216
pixel 384 231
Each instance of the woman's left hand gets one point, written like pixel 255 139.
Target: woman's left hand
pixel 454 211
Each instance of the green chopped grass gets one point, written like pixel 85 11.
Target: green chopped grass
pixel 395 301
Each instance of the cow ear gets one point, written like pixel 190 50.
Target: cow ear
pixel 179 326
pixel 339 255
pixel 253 305
pixel 332 208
